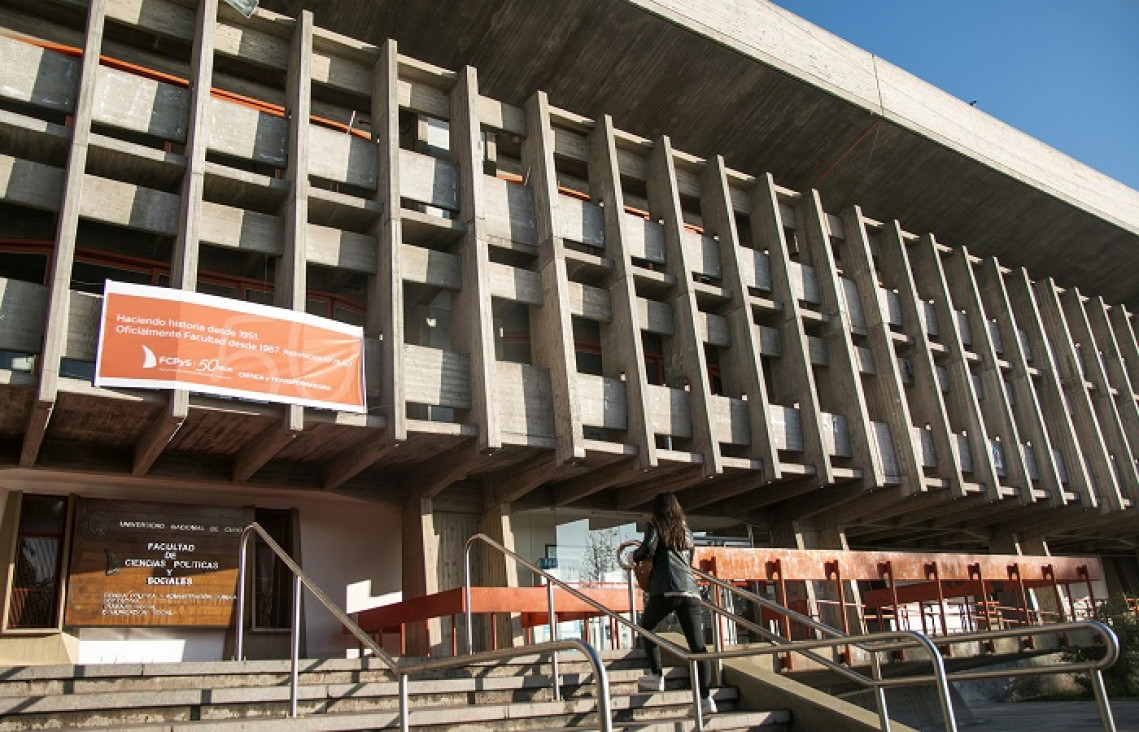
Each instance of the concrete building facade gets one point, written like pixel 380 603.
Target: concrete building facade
pixel 598 250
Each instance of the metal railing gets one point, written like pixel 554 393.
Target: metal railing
pixel 869 642
pixel 873 645
pixel 402 670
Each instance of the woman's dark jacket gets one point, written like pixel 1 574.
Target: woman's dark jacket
pixel 672 568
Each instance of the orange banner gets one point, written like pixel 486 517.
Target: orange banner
pixel 159 338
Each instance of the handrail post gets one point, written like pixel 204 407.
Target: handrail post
pixel 295 643
pixel 717 619
pixel 240 619
pixel 467 598
pixel 554 637
pixel 632 606
pixel 604 703
pixel 940 680
pixel 403 703
pixel 1101 701
pixel 879 692
pixel 694 673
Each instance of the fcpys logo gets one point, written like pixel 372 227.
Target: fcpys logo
pixel 150 360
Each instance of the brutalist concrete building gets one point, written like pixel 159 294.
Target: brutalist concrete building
pixel 597 250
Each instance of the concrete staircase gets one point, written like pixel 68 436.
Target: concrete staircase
pixel 339 694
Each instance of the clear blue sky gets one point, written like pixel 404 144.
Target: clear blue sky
pixel 1064 71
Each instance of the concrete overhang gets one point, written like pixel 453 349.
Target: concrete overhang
pixel 772 92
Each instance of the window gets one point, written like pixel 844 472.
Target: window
pixel 512 332
pixel 272 580
pixel 16 263
pixel 35 588
pixel 587 346
pixel 654 357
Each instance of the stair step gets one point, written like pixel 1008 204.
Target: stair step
pixel 342 694
pixel 485 718
pixel 79 695
pixel 104 678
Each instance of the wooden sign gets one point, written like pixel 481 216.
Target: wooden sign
pixel 154 564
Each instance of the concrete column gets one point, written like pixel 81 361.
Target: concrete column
pixel 841 380
pixel 184 262
pixel 1118 380
pixel 420 574
pixel 793 370
pixel 621 344
pixel 497 570
pixel 383 322
pixel 818 534
pixel 741 358
pixel 926 401
pixel 885 393
pixel 551 327
pixel 1110 416
pixel 962 408
pixel 687 362
pixel 67 228
pixel 1025 404
pixel 996 412
pixel 1066 364
pixel 384 337
pixel 1056 416
pixel 473 331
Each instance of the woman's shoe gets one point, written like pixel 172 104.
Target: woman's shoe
pixel 651 682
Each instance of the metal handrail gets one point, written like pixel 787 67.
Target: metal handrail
pixel 401 669
pixel 868 642
pixel 551 581
pixel 833 633
pixel 1094 668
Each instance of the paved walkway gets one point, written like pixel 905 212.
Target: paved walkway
pixel 1058 716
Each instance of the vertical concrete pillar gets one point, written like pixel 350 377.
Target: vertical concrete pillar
pixel 842 378
pixel 67 228
pixel 687 361
pixel 497 570
pixel 621 342
pixel 816 534
pixel 184 261
pixel 551 332
pixel 1024 402
pixel 887 393
pixel 1095 349
pixel 992 397
pixel 1067 364
pixel 1057 417
pixel 742 358
pixel 927 403
pixel 290 280
pixel 473 332
pixel 794 369
pixel 383 321
pixel 961 406
pixel 420 570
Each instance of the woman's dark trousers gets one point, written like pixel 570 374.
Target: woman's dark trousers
pixel 688 612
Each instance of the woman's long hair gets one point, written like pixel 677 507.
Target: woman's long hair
pixel 668 518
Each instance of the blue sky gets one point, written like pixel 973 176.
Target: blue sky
pixel 1063 71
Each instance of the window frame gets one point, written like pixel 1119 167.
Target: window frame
pixel 11 529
